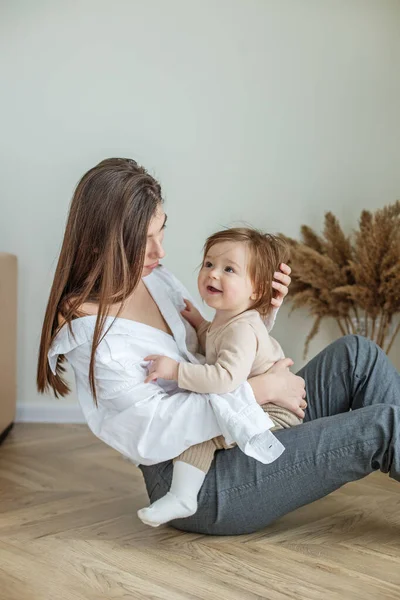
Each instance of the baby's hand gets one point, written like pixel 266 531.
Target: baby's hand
pixel 191 314
pixel 161 367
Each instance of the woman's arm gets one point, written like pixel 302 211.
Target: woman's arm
pixel 281 285
pixel 281 387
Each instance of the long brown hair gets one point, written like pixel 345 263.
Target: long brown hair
pixel 267 252
pixel 102 255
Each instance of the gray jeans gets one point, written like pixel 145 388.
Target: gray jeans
pixel 331 448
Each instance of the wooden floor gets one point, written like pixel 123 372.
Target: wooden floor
pixel 69 531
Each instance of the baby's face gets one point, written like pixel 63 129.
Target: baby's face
pixel 224 283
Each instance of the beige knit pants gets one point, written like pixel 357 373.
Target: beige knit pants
pixel 201 455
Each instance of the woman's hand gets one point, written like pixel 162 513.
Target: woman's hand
pixel 161 367
pixel 191 314
pixel 281 387
pixel 281 285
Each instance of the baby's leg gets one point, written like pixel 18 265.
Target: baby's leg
pixel 190 469
pixel 282 417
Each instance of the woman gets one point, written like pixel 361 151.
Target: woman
pixel 108 268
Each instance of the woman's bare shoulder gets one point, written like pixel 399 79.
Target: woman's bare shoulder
pixel 84 310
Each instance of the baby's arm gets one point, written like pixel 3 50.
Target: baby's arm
pixel 236 352
pixel 202 335
pixel 191 314
pixel 163 367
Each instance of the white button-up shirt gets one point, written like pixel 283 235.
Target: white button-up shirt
pixel 153 422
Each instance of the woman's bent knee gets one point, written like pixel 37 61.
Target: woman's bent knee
pixel 357 347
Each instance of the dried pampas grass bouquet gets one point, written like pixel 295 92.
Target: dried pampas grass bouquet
pixel 353 279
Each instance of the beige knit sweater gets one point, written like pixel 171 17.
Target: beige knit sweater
pixel 235 351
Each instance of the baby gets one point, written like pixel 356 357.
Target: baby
pixel 236 280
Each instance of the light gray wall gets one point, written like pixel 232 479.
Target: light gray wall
pixel 272 112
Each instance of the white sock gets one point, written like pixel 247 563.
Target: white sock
pixel 180 501
pixel 186 480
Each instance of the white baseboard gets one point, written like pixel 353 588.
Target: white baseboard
pixel 35 412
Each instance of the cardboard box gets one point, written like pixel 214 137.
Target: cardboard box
pixel 8 342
